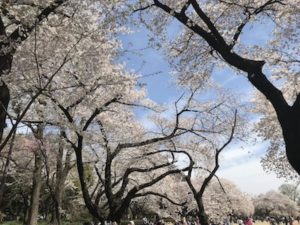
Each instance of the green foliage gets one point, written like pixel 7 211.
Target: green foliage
pixel 169 220
pixel 89 178
pixel 2 215
pixel 81 217
pixel 11 223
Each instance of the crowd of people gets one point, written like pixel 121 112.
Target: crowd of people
pixel 227 221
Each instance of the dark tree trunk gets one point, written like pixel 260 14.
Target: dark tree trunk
pixel 92 208
pixel 203 218
pixel 4 174
pixel 291 134
pixel 5 67
pixel 288 116
pixel 4 100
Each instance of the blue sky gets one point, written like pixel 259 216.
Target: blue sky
pixel 240 163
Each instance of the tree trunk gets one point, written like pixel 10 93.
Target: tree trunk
pixel 288 116
pixel 92 208
pixel 4 100
pixel 37 178
pixel 56 214
pixel 5 170
pixel 203 218
pixel 36 187
pixel 61 177
pixel 5 67
pixel 118 209
pixel 291 134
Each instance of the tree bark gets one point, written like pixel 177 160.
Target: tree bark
pixel 5 170
pixel 37 179
pixel 291 134
pixel 36 187
pixel 62 172
pixel 203 218
pixel 5 66
pixel 93 209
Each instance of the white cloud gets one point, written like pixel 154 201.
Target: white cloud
pixel 249 176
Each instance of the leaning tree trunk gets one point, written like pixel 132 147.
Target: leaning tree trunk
pixel 291 133
pixel 288 116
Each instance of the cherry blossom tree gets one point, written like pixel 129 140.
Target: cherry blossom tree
pixel 234 202
pixel 290 190
pixel 29 146
pixel 55 61
pixel 16 175
pixel 17 22
pixel 274 204
pixel 199 190
pixel 211 35
pixel 269 129
pixel 201 150
pixel 87 84
pixel 221 199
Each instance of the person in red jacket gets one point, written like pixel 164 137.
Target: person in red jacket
pixel 248 221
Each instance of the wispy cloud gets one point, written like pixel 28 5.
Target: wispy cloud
pixel 238 154
pixel 245 170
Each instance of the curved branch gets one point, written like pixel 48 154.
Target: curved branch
pixel 159 195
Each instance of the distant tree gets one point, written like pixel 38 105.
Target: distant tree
pixel 274 204
pixel 291 190
pixel 18 177
pixel 232 200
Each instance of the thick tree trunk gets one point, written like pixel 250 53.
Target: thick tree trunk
pixel 288 116
pixel 36 187
pixel 291 134
pixel 119 208
pixel 92 208
pixel 116 216
pixel 203 218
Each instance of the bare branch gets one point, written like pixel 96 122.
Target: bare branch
pixel 142 8
pixel 159 195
